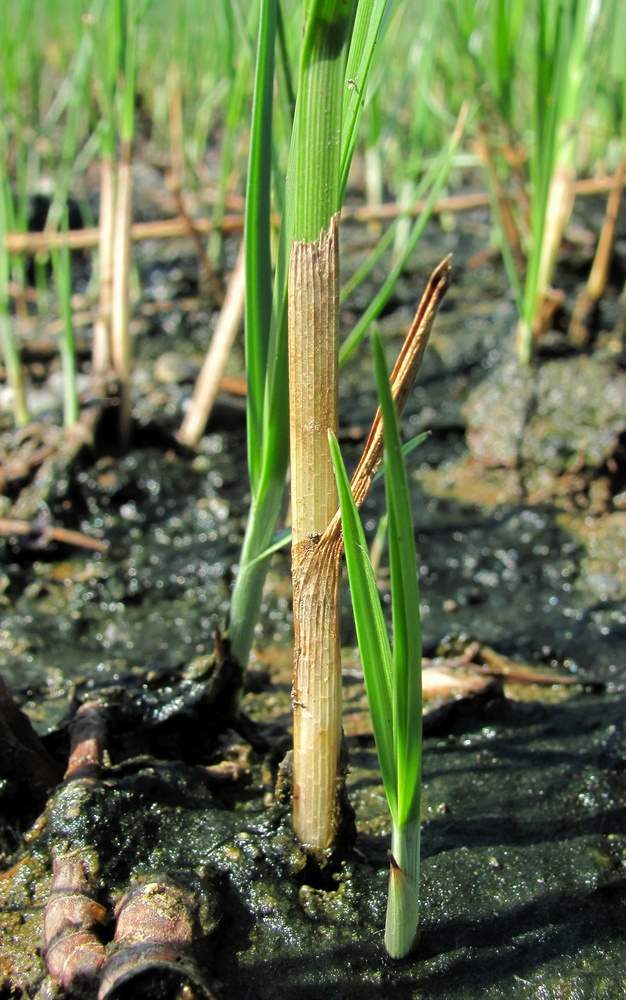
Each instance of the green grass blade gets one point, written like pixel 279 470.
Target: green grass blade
pixel 564 42
pixel 407 633
pixel 370 627
pixel 257 237
pixel 284 61
pixel 365 36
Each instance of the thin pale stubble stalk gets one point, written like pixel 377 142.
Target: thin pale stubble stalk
pixel 588 298
pixel 313 307
pixel 102 325
pixel 208 383
pixel 120 333
pixel 558 212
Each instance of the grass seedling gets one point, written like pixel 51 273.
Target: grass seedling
pixel 324 555
pixel 564 35
pixel 393 674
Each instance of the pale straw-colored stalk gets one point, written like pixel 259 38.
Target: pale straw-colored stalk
pixel 313 362
pixel 121 351
pixel 102 326
pixel 208 382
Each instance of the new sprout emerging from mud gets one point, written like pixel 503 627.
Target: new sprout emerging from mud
pixel 393 676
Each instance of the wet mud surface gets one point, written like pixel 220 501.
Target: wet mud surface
pixel 521 533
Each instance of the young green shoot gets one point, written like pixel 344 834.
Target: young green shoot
pixel 393 673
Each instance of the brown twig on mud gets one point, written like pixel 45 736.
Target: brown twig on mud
pixel 487 662
pixel 20 466
pixel 497 665
pixel 227 772
pixel 85 239
pixel 44 533
pixel 58 462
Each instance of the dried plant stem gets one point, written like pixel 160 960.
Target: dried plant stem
pixel 120 333
pixel 313 336
pixel 209 278
pixel 402 380
pixel 208 382
pixel 558 212
pixel 596 283
pixel 102 325
pixel 502 200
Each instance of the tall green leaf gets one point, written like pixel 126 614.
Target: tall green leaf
pixel 257 237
